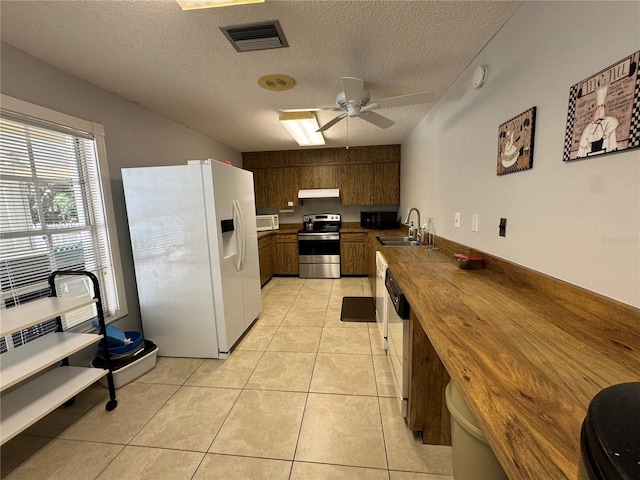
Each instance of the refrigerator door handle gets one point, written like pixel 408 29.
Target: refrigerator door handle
pixel 244 235
pixel 237 222
pixel 240 234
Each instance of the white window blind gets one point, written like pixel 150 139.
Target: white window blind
pixel 52 217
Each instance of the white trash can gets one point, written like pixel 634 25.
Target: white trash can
pixel 473 458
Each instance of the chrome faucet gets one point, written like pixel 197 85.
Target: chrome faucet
pixel 416 231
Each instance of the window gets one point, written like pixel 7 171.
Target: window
pixel 54 194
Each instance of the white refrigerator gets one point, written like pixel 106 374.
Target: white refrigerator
pixel 195 251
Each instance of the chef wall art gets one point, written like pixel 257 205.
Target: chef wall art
pixel 515 143
pixel 604 112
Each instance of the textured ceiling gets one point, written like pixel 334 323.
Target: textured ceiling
pixel 180 65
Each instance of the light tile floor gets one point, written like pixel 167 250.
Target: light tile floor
pixel 303 396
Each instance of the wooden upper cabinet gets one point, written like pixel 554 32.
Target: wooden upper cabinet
pixel 288 158
pixel 364 175
pixel 322 156
pixel 276 187
pixel 253 160
pixel 387 154
pixel 261 187
pixel 318 176
pixel 360 155
pixel 376 154
pixel 386 183
pixel 285 186
pixel 356 184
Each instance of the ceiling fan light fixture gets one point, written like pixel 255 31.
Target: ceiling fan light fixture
pixel 195 4
pixel 302 126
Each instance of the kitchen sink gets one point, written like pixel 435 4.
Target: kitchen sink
pixel 397 241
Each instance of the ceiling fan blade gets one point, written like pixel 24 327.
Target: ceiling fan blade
pixel 377 119
pixel 331 123
pixel 402 100
pixel 353 89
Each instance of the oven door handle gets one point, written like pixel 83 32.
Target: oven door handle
pixel 315 236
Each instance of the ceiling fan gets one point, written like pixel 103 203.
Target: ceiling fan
pixel 355 101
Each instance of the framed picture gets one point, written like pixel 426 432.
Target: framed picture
pixel 604 112
pixel 515 143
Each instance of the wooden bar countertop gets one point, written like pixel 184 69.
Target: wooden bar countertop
pixel 527 362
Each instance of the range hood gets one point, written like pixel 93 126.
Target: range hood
pixel 319 193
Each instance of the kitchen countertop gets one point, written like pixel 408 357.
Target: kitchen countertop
pixel 526 364
pixel 347 227
pixel 284 229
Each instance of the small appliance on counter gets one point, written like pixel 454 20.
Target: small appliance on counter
pixel 379 220
pixel 267 222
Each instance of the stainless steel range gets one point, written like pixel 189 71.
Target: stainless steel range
pixel 319 246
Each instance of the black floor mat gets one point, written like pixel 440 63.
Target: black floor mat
pixel 358 309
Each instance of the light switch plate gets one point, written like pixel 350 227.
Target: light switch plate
pixel 456 220
pixel 503 227
pixel 474 222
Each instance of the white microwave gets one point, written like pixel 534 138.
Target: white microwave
pixel 267 222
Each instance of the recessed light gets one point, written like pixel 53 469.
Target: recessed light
pixel 276 83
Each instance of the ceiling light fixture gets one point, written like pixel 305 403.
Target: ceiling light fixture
pixel 193 4
pixel 302 126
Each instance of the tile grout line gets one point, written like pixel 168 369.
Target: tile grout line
pixel 227 415
pixel 306 400
pixel 384 439
pixel 244 388
pixel 152 417
pixel 306 393
pixel 128 442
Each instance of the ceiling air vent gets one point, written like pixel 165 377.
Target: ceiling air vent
pixel 255 36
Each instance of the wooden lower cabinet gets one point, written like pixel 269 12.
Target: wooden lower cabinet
pixel 371 245
pixel 352 254
pixel 265 255
pixel 286 254
pixel 427 411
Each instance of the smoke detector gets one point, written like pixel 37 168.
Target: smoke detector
pixel 479 76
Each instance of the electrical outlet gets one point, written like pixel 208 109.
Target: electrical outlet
pixel 474 222
pixel 456 220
